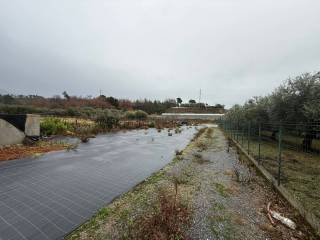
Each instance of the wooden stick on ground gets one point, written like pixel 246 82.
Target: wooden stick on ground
pixel 269 215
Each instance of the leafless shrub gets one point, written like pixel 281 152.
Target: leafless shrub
pixel 85 138
pixel 201 145
pixel 198 157
pixel 177 130
pixel 167 221
pixel 209 133
pixel 242 174
pixel 72 147
pixel 178 152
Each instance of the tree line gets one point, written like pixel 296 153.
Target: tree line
pixel 297 100
pixel 69 105
pixel 295 103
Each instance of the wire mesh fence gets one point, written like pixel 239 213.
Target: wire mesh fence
pixel 289 152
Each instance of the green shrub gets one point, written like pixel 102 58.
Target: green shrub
pixel 141 115
pixel 16 109
pixel 130 115
pixel 107 120
pixel 72 112
pixel 136 115
pixel 53 126
pixel 85 112
pixel 151 125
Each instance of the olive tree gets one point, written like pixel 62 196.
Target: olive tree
pixel 297 100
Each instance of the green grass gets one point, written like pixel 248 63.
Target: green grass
pixel 53 126
pixel 222 190
pixel 93 224
pixel 300 171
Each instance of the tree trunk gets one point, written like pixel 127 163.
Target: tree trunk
pixel 274 135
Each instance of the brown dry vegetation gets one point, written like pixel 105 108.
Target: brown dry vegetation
pixel 23 151
pixel 167 221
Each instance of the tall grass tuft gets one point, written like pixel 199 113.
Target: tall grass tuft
pixel 54 126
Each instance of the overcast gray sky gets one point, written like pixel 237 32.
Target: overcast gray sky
pixel 231 49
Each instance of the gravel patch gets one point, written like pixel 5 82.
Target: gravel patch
pixel 231 198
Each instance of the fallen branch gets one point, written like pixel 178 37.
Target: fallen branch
pixel 286 221
pixel 269 215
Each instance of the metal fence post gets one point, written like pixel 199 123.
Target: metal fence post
pixel 237 131
pixel 226 126
pixel 249 126
pixel 279 155
pixel 233 130
pixel 242 133
pixel 259 150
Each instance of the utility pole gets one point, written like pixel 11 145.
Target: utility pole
pixel 200 96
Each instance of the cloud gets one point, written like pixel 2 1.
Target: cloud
pixel 232 50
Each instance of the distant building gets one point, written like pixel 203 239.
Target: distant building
pixel 197 108
pixel 195 111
